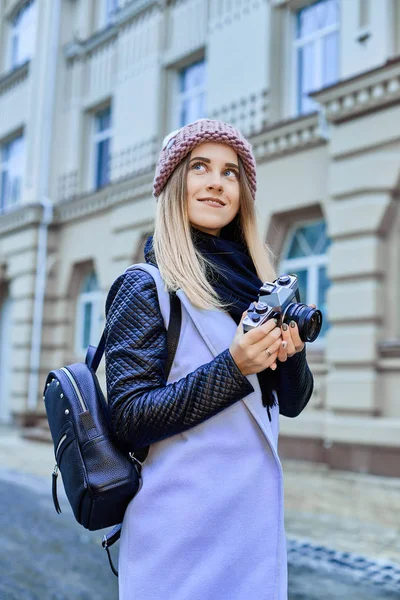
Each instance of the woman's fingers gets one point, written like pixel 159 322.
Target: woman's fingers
pixel 271 361
pixel 283 353
pixel 296 341
pixel 286 337
pixel 273 348
pixel 248 349
pixel 267 339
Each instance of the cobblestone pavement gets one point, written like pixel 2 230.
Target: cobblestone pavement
pixel 50 557
pixel 347 511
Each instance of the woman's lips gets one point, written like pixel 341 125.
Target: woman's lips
pixel 210 202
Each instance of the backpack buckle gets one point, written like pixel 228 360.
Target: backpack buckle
pixel 136 460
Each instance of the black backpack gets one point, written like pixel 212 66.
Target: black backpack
pixel 99 478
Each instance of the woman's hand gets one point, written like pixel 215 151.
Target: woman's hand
pixel 294 343
pixel 257 349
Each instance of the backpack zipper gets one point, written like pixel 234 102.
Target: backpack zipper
pixel 73 383
pixel 54 489
pixel 64 437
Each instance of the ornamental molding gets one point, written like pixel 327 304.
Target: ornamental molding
pixel 223 14
pixel 80 48
pixel 365 93
pixel 128 190
pixel 249 114
pixel 291 4
pixel 20 217
pixel 287 137
pixel 14 77
pixel 389 349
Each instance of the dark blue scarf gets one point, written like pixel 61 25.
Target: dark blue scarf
pixel 233 277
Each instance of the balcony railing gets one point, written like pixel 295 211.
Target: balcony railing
pixel 127 163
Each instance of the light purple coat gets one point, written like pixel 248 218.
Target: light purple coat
pixel 208 522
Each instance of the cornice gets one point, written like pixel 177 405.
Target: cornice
pixel 128 189
pixel 289 136
pixel 364 93
pixel 20 217
pixel 78 48
pixel 389 349
pixel 290 4
pixel 13 77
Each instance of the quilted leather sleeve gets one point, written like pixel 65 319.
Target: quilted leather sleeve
pixel 295 384
pixel 144 408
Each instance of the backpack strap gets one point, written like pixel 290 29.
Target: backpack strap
pixel 174 330
pixel 94 355
pixel 173 333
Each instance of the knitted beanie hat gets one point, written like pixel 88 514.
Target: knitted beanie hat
pixel 180 142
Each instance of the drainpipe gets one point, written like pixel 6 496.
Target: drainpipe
pixel 47 206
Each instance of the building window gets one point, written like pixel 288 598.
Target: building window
pixel 305 255
pixel 110 8
pixel 316 50
pixel 192 93
pixel 23 34
pixel 88 314
pixel 11 172
pixel 102 147
pixel 364 10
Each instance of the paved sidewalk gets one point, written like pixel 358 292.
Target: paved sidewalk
pixel 341 510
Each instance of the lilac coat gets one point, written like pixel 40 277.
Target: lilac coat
pixel 208 522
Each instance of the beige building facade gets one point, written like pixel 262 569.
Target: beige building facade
pixel 89 89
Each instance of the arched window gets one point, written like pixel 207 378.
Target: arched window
pixel 305 255
pixel 88 314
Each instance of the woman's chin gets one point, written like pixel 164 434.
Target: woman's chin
pixel 209 223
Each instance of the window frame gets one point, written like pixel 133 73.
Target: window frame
pixel 96 137
pixel 5 168
pixel 109 13
pixel 310 263
pixel 317 38
pixel 94 297
pixel 180 97
pixel 16 32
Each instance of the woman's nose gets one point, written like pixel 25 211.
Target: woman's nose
pixel 216 187
pixel 215 184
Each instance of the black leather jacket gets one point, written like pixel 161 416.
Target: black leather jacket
pixel 144 408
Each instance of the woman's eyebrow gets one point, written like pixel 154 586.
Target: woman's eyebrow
pixel 207 160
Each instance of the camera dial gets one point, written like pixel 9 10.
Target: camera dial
pixel 261 308
pixel 284 280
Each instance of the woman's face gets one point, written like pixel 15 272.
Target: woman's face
pixel 212 187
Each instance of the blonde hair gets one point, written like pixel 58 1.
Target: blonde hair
pixel 181 265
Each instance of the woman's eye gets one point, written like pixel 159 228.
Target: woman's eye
pixel 198 166
pixel 231 172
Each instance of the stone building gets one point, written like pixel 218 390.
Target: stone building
pixel 88 90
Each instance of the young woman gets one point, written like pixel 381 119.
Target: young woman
pixel 207 523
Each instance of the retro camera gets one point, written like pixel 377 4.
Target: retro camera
pixel 281 300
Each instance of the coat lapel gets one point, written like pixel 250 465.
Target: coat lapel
pixel 217 329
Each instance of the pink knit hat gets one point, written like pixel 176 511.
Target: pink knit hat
pixel 179 143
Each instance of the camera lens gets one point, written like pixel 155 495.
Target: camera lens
pixel 309 320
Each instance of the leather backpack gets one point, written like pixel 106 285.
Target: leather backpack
pixel 99 478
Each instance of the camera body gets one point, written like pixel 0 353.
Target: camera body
pixel 280 300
